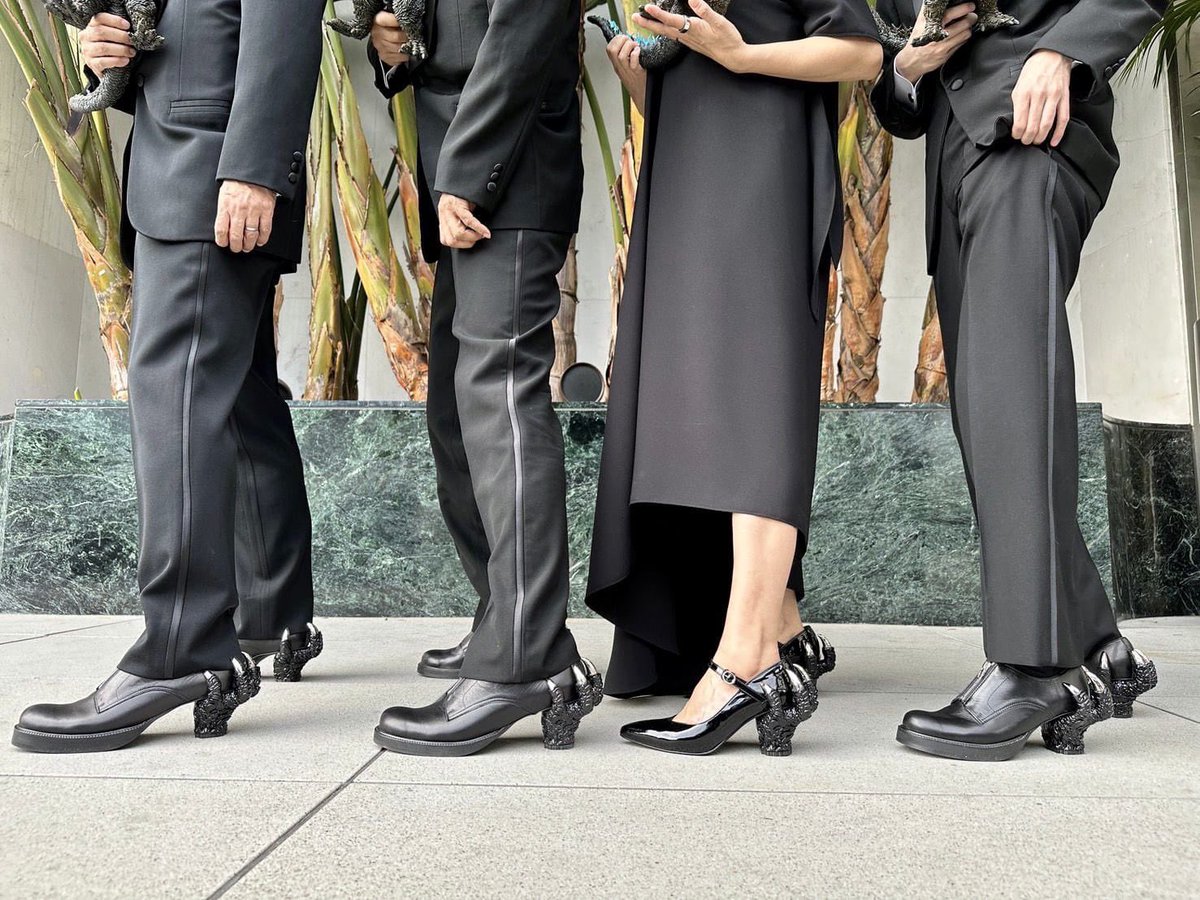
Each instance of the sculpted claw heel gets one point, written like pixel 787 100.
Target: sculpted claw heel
pixel 1126 690
pixel 793 701
pixel 561 720
pixel 1065 734
pixel 289 663
pixel 212 713
pixel 811 652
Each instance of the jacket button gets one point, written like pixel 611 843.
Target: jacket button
pixel 293 178
pixel 492 187
pixel 957 84
pixel 1108 71
pixel 295 167
pixel 498 168
pixel 298 156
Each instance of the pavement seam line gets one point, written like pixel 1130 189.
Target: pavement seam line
pixel 245 870
pixel 38 637
pixel 1170 712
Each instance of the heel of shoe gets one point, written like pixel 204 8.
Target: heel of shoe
pixel 290 663
pixel 1126 690
pixel 1065 734
pixel 793 700
pixel 561 720
pixel 212 712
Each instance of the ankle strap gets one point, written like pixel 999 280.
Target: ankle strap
pixel 730 678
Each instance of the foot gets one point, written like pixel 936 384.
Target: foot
pixel 997 712
pixel 1127 671
pixel 444 663
pixel 292 652
pixel 714 690
pixel 810 651
pixel 473 714
pixel 779 698
pixel 125 705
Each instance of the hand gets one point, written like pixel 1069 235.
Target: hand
pixel 710 33
pixel 1042 99
pixel 105 43
pixel 625 55
pixel 914 63
pixel 460 230
pixel 388 37
pixel 245 213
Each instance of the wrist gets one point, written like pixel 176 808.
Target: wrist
pixel 742 59
pixel 906 67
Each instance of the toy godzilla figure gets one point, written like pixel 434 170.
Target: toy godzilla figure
pixel 657 52
pixel 410 14
pixel 142 16
pixel 895 37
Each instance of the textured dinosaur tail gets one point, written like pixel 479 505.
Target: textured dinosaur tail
pixel 610 28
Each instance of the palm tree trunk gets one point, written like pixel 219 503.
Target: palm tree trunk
pixel 867 183
pixel 566 349
pixel 828 371
pixel 402 323
pixel 930 384
pixel 82 165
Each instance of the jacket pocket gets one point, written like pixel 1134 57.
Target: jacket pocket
pixel 210 115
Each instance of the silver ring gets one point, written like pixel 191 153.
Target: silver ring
pixel 251 231
pixel 686 26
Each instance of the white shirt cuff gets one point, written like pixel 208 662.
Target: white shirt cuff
pixel 386 72
pixel 905 89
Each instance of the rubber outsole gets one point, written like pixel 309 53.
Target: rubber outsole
pixel 411 747
pixel 950 749
pixel 428 671
pixel 50 742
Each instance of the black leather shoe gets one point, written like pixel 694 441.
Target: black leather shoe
pixel 444 663
pixel 292 652
pixel 997 712
pixel 779 699
pixel 811 651
pixel 473 714
pixel 126 705
pixel 1128 672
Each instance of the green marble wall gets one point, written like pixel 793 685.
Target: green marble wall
pixel 892 536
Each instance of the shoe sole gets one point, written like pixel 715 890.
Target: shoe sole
pixel 428 671
pixel 51 742
pixel 412 747
pixel 962 750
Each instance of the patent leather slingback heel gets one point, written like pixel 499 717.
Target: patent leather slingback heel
pixel 778 699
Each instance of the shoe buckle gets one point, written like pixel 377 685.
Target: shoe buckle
pixel 728 677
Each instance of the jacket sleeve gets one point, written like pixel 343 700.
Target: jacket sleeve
pixel 388 82
pixel 501 98
pixel 896 113
pixel 279 58
pixel 127 102
pixel 1100 34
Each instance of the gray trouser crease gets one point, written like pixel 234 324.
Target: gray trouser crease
pixel 499 450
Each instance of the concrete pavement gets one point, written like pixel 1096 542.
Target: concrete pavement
pixel 296 801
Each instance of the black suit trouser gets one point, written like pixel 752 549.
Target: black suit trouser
pixel 223 513
pixel 1013 223
pixel 498 448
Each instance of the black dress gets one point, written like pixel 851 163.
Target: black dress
pixel 716 380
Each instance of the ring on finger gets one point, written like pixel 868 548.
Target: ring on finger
pixel 686 26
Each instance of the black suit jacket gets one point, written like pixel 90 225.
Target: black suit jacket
pixel 229 96
pixel 975 86
pixel 498 113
